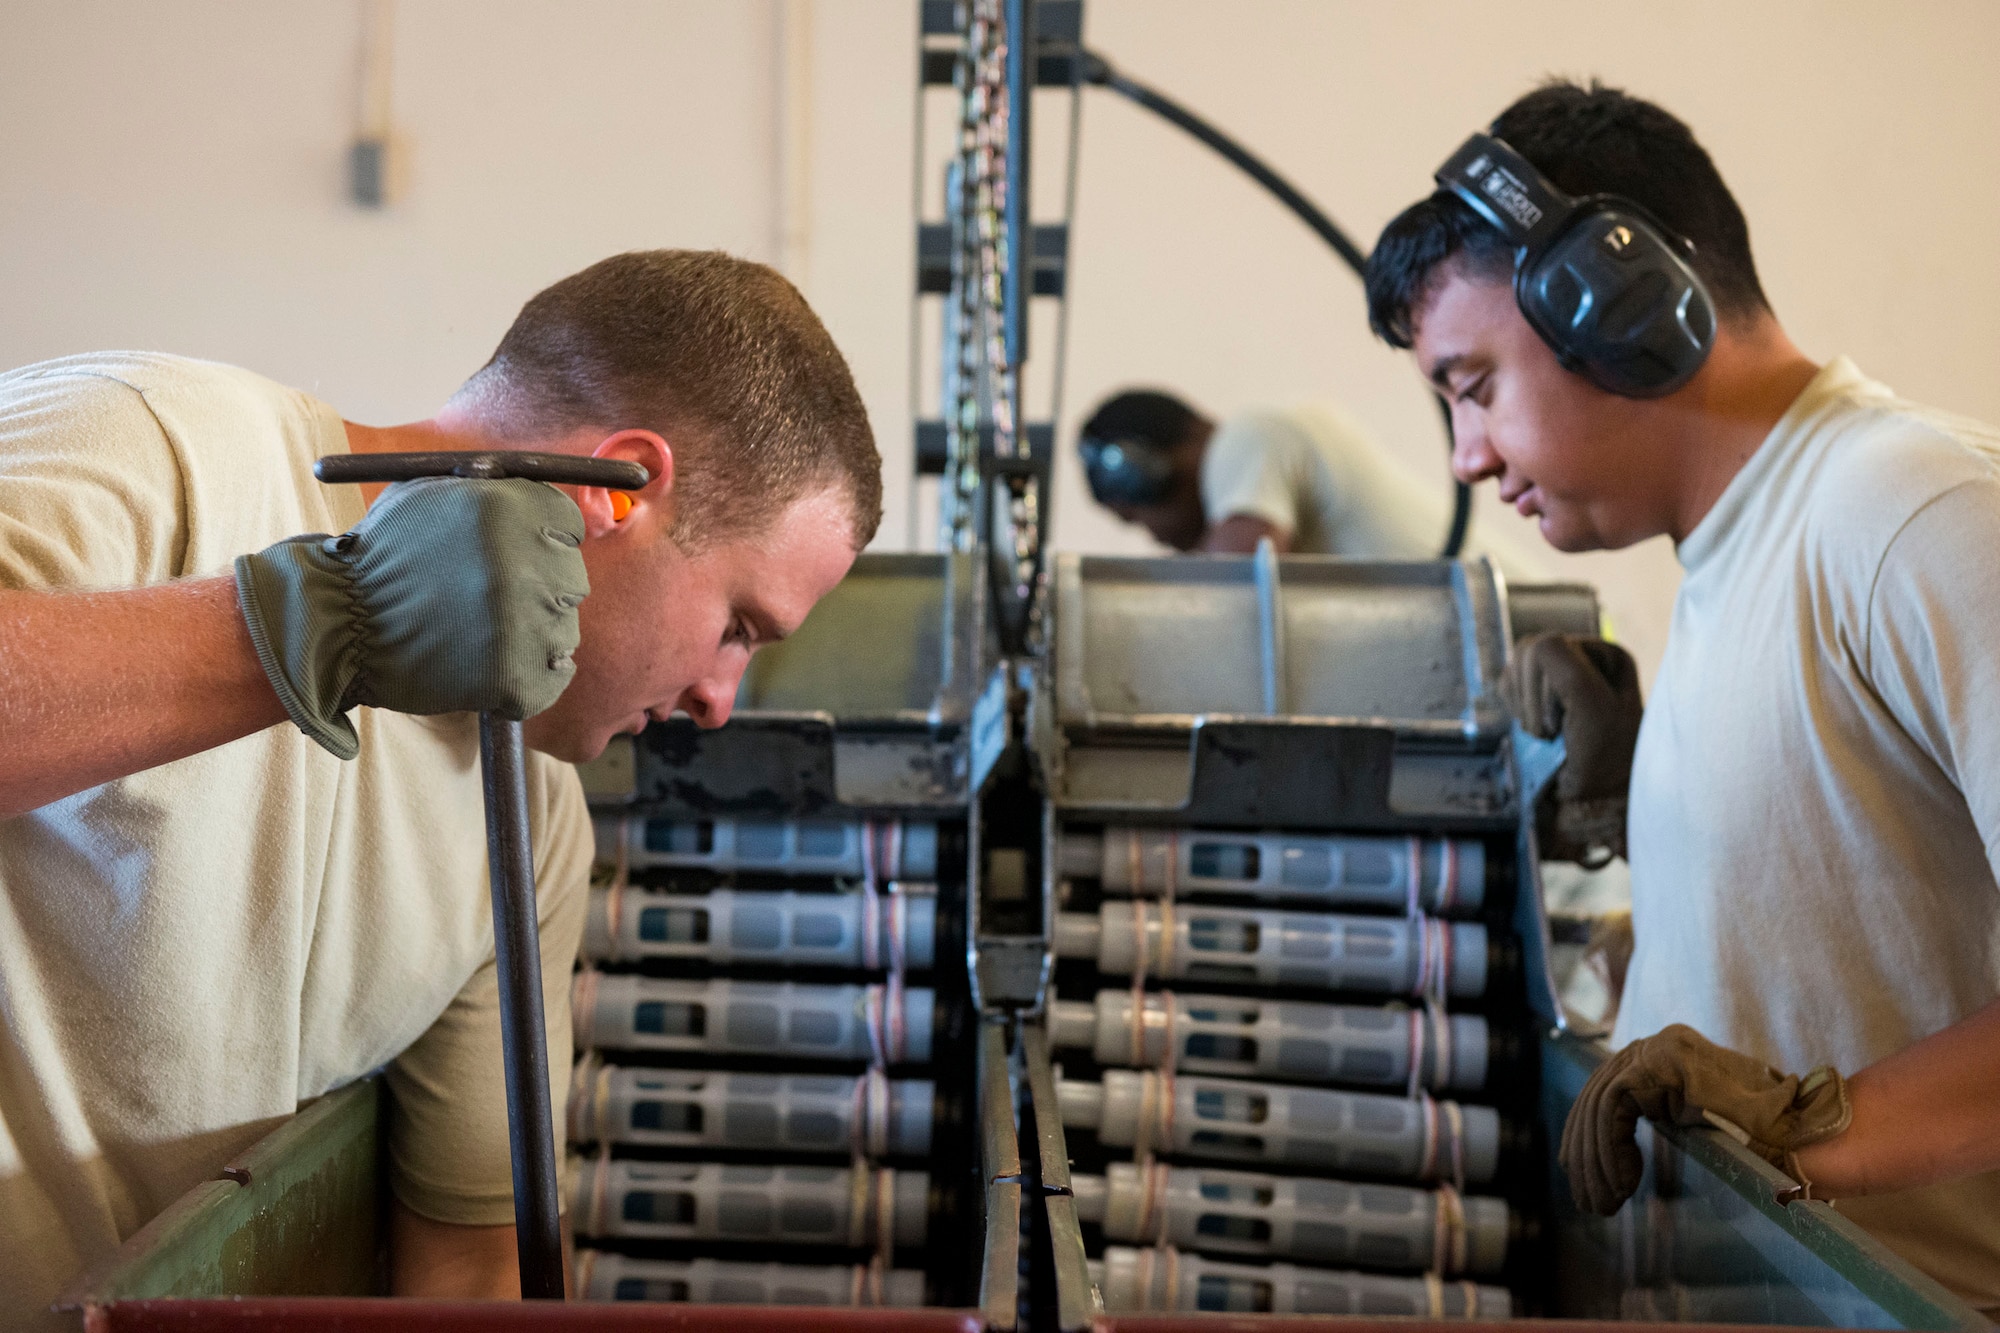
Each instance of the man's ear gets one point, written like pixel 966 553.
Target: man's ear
pixel 651 506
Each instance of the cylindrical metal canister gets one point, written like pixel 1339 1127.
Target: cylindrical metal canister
pixel 1224 1119
pixel 865 1116
pixel 1376 955
pixel 1320 1043
pixel 1167 1280
pixel 882 1024
pixel 1331 1222
pixel 787 929
pixel 1444 876
pixel 603 1275
pixel 893 850
pixel 799 1205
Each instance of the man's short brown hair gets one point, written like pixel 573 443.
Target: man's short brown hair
pixel 721 356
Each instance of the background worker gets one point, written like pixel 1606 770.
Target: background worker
pixel 1309 478
pixel 206 917
pixel 1815 795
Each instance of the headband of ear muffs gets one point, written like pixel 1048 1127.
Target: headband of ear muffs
pixel 1607 287
pixel 1127 470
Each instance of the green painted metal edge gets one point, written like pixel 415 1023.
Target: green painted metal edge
pixel 299 1213
pixel 1878 1273
pixel 1902 1290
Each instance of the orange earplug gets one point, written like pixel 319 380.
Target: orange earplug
pixel 621 505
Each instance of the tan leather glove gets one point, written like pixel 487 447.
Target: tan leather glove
pixel 1680 1076
pixel 1586 691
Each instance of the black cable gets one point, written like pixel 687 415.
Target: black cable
pixel 1098 70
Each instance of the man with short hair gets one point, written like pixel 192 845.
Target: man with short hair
pixel 1309 479
pixel 206 916
pixel 1815 798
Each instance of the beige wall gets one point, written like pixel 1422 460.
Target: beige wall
pixel 170 176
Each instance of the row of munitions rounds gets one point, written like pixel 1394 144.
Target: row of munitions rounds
pixel 1374 955
pixel 1333 1222
pixel 1444 876
pixel 890 851
pixel 1374 1046
pixel 1221 1119
pixel 605 1276
pixel 782 928
pixel 866 1116
pixel 883 1024
pixel 852 1207
pixel 1164 1279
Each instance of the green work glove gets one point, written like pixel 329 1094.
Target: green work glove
pixel 1586 691
pixel 451 596
pixel 1680 1076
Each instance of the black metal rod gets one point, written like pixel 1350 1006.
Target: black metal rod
pixel 557 469
pixel 517 957
pixel 510 868
pixel 1097 70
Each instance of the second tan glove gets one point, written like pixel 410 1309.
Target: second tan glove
pixel 1586 691
pixel 1680 1076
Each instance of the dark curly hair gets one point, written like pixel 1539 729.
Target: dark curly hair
pixel 1586 140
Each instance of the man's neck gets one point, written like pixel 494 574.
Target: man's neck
pixel 430 436
pixel 413 437
pixel 1719 421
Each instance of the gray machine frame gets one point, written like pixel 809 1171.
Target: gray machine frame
pixel 882 668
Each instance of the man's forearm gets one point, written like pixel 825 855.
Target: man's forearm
pixel 443 1261
pixel 94 686
pixel 1928 1113
pixel 440 1260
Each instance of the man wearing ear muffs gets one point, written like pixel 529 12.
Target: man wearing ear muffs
pixel 1814 805
pixel 1307 478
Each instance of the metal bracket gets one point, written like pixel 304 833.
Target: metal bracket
pixel 934 258
pixel 1058 30
pixel 932 452
pixel 775 765
pixel 1250 774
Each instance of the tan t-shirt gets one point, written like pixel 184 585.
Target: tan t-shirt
pixel 1314 472
pixel 189 953
pixel 1815 802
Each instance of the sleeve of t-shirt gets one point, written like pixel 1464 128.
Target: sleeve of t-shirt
pixel 1255 466
pixel 448 1146
pixel 1934 642
pixel 90 489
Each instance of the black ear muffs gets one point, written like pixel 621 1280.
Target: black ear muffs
pixel 1607 287
pixel 1127 471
